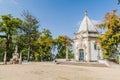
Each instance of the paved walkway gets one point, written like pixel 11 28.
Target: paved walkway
pixel 51 71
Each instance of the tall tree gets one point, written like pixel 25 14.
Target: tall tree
pixel 2 48
pixel 9 25
pixel 44 46
pixel 111 39
pixel 30 28
pixel 63 43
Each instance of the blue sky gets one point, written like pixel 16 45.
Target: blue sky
pixel 61 17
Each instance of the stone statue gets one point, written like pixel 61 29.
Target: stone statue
pixel 15 56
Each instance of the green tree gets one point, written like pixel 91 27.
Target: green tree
pixel 111 39
pixel 9 26
pixel 30 31
pixel 44 46
pixel 20 40
pixel 62 43
pixel 2 48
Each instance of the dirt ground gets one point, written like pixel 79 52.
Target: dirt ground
pixel 52 71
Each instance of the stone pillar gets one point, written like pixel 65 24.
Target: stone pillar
pixel 5 60
pixel 88 51
pixel 20 59
pixel 76 58
pixel 66 53
pixel 28 55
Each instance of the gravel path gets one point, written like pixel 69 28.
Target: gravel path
pixel 51 71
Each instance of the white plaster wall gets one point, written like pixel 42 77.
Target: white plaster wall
pixel 90 53
pixel 94 52
pixel 86 50
pixel 76 52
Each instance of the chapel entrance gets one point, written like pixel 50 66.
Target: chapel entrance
pixel 81 54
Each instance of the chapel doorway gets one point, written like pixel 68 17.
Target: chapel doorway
pixel 81 54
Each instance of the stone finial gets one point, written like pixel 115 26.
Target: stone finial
pixel 86 13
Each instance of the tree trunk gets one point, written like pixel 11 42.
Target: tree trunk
pixel 28 53
pixel 7 50
pixel 5 61
pixel 8 38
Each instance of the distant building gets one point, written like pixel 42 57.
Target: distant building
pixel 86 46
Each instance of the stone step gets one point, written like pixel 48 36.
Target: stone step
pixel 90 64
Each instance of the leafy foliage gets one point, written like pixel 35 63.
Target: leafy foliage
pixel 61 42
pixel 9 26
pixel 111 39
pixel 33 45
pixel 30 32
pixel 2 48
pixel 44 46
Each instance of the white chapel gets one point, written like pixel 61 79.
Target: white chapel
pixel 86 46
